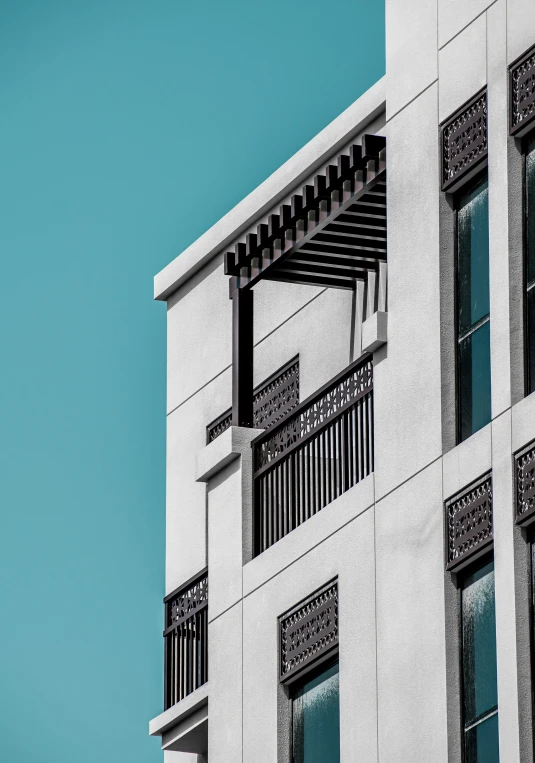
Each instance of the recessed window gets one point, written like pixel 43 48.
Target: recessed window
pixel 473 310
pixel 480 689
pixel 530 263
pixel 316 719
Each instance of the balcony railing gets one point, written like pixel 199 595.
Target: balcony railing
pixel 273 399
pixel 186 639
pixel 320 450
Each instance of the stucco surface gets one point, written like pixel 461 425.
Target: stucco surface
pixel 199 334
pixel 455 15
pixel 411 670
pixel 225 539
pixel 411 52
pixel 407 379
pixel 502 511
pixel 459 82
pixel 520 27
pixel 348 554
pixel 523 422
pixel 467 461
pixel 225 687
pixel 320 333
pixel 498 197
pixel 308 535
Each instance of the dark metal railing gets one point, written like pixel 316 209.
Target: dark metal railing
pixel 186 639
pixel 273 399
pixel 320 450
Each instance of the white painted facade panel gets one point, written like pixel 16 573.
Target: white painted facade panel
pixel 411 621
pixel 407 370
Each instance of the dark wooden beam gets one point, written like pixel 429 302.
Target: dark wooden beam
pixel 242 358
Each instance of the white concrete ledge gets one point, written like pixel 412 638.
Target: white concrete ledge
pixel 178 713
pixel 273 190
pixel 374 331
pixel 222 451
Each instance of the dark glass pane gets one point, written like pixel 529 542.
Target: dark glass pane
pixel 479 645
pixel 530 299
pixel 530 211
pixel 474 381
pixel 481 742
pixel 533 581
pixel 316 720
pixel 473 257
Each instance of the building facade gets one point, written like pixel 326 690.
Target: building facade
pixel 351 425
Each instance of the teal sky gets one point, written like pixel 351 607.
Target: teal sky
pixel 127 128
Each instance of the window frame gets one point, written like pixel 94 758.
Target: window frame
pixel 526 143
pixel 470 184
pixel 460 578
pixel 314 671
pixel 531 614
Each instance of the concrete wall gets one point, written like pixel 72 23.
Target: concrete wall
pixel 384 539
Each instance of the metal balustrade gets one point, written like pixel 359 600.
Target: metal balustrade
pixel 186 639
pixel 320 450
pixel 272 400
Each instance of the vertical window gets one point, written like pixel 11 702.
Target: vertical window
pixel 316 719
pixel 530 263
pixel 532 618
pixel 480 691
pixel 473 310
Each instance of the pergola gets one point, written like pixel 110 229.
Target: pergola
pixel 332 234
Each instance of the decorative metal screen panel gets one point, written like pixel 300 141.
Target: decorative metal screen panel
pixel 522 94
pixel 525 485
pixel 464 142
pixel 273 400
pixel 469 523
pixel 314 455
pixel 309 632
pixel 186 639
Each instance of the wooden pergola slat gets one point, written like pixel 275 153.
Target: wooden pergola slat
pixel 332 234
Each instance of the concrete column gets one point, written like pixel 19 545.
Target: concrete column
pixel 497 96
pixel 502 481
pixel 225 465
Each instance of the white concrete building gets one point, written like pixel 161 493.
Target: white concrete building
pixel 349 547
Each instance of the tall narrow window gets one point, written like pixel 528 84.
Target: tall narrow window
pixel 530 263
pixel 473 310
pixel 480 692
pixel 316 719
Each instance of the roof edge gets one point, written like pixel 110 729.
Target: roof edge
pixel 272 190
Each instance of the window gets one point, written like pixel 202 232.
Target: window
pixel 473 311
pixel 480 692
pixel 530 263
pixel 316 719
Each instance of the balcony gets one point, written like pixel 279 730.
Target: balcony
pixel 316 453
pixel 186 639
pixel 183 726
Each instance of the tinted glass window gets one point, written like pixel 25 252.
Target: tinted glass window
pixel 474 380
pixel 473 242
pixel 316 720
pixel 530 262
pixel 480 690
pixel 530 209
pixel 473 306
